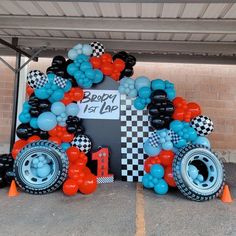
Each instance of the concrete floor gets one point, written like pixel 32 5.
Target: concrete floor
pixel 112 210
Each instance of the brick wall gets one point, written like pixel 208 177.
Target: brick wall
pixel 6 101
pixel 212 86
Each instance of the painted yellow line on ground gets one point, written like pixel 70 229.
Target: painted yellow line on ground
pixel 140 216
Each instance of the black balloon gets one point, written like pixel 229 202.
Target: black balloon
pixel 58 67
pixel 160 109
pixel 58 61
pixel 24 131
pixel 129 60
pixel 38 106
pixel 6 166
pixel 74 125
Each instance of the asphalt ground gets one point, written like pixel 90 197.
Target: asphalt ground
pixel 117 209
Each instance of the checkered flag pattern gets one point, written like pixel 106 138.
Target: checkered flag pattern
pixel 174 137
pixel 105 180
pixel 60 82
pixel 135 130
pixel 82 142
pixel 154 140
pixel 98 49
pixel 202 124
pixel 36 79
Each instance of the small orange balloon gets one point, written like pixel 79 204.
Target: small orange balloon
pixel 55 140
pixel 70 187
pixel 33 138
pixel 73 154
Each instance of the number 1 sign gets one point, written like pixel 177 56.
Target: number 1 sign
pixel 102 158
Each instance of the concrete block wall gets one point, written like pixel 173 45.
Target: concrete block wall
pixel 7 78
pixel 211 86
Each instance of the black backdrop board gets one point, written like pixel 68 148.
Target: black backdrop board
pixel 106 133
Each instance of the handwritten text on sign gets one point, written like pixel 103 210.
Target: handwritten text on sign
pixel 100 104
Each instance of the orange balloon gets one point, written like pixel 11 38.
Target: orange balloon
pixel 78 94
pixel 33 138
pixel 166 157
pixel 106 57
pixel 74 171
pixel 194 109
pixel 29 90
pixel 107 68
pixel 151 161
pixel 67 137
pixel 89 184
pixel 168 176
pixel 19 144
pixel 96 62
pixel 66 100
pixel 73 154
pixel 70 187
pixel 53 132
pixel 178 114
pixel 119 65
pixel 55 140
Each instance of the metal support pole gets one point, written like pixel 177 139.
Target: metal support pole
pixel 15 99
pixel 7 64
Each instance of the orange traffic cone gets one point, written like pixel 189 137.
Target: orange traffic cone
pixel 226 196
pixel 13 190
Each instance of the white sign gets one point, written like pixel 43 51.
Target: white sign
pixel 100 104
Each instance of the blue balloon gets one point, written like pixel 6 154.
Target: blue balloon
pixel 57 108
pixel 138 104
pixel 192 134
pixel 43 171
pixel 167 145
pixel 171 94
pixel 68 86
pixel 24 117
pixel 58 95
pixel 192 171
pixel 85 66
pixel 87 49
pixel 34 123
pixel 72 109
pixel 181 143
pixel 90 73
pixel 47 121
pixel 147 183
pixel 161 187
pixel 26 106
pixel 98 78
pixel 142 81
pixel 72 54
pixel 51 77
pixel 176 125
pixel 202 141
pixel 41 93
pixel 150 150
pixel 157 171
pixel 71 69
pixel 65 146
pixel 158 84
pixel 144 92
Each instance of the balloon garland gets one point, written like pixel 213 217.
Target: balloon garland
pixel 51 113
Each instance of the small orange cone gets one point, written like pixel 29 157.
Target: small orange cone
pixel 226 196
pixel 13 190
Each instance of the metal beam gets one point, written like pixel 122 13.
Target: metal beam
pixel 140 1
pixel 136 46
pixel 141 25
pixel 15 48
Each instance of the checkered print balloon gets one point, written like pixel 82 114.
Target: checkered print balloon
pixel 98 49
pixel 36 79
pixel 82 142
pixel 203 125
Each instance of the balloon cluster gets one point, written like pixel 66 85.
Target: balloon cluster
pixel 79 49
pixel 74 125
pixel 160 110
pixel 80 177
pixel 83 71
pixel 185 111
pixel 6 166
pixel 108 66
pixel 155 180
pixel 193 173
pixel 165 158
pixel 130 62
pixel 127 87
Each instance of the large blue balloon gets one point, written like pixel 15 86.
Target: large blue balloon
pixel 47 121
pixel 57 108
pixel 71 69
pixel 150 150
pixel 138 104
pixel 72 109
pixel 41 93
pixel 142 81
pixel 144 92
pixel 158 84
pixel 58 95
